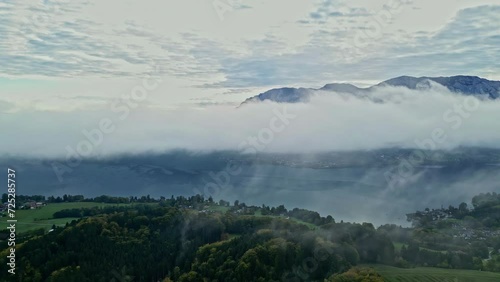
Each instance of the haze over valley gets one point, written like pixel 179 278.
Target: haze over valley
pixel 246 140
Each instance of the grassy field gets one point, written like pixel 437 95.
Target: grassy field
pixel 218 208
pixel 310 225
pixel 431 274
pixel 42 217
pixel 398 246
pixel 258 213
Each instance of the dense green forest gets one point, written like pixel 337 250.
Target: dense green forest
pixel 197 239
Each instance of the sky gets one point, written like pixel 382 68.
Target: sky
pixel 65 64
pixel 63 54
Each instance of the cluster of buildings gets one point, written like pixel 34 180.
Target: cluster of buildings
pixel 26 205
pixel 474 234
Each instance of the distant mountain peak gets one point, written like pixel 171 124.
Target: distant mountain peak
pixel 340 87
pixel 464 84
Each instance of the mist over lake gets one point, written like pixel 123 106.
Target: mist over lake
pixel 358 193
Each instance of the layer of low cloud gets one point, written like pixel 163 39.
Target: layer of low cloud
pixel 329 122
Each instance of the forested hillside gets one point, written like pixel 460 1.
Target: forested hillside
pixel 196 239
pixel 189 240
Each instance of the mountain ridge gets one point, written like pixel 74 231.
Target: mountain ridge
pixel 464 84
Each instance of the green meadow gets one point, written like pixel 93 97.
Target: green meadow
pixel 431 274
pixel 43 216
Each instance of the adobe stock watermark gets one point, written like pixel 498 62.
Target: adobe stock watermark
pixel 221 7
pixel 221 181
pixel 44 12
pixel 96 136
pixel 363 39
pixel 309 264
pixel 121 276
pixel 454 117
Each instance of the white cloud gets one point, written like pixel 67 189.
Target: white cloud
pixel 330 122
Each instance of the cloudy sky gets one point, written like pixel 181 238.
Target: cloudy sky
pixel 65 65
pixel 62 55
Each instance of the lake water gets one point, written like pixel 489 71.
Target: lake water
pixel 349 194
